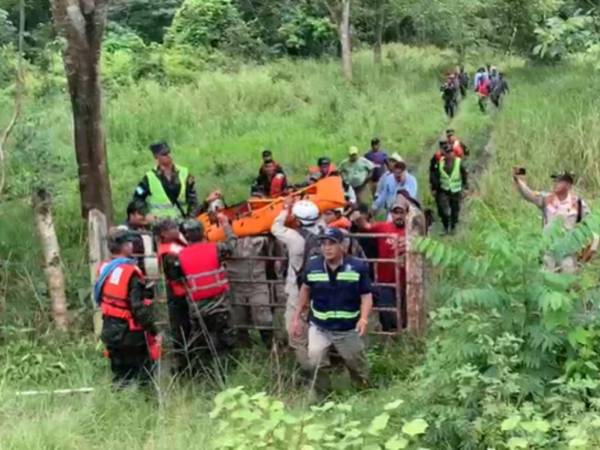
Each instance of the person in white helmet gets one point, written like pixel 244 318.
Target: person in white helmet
pixel 301 243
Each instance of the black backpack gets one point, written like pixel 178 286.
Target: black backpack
pixel 312 249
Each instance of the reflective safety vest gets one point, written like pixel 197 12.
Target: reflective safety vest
pixel 172 248
pixel 158 200
pixel 453 182
pixel 115 294
pixel 335 305
pixel 205 277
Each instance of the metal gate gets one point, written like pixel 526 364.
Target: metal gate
pixel 409 297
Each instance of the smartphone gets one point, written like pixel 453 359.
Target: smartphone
pixel 520 171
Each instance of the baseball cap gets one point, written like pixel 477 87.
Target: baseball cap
pixel 353 150
pixel 332 234
pixel 119 235
pixel 160 148
pixel 564 176
pixel 396 157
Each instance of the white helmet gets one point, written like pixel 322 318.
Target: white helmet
pixel 306 212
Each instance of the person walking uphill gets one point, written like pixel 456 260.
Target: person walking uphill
pixel 379 158
pixel 391 183
pixel 168 190
pixel 448 182
pixel 560 204
pixel 128 328
pixel 336 290
pixel 356 171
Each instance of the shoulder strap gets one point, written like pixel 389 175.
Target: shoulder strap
pixel 579 210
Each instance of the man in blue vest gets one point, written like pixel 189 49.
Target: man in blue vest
pixel 337 291
pixel 168 190
pixel 448 182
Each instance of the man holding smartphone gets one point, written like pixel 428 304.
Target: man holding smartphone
pixel 561 203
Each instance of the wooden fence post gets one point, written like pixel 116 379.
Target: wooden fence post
pixel 415 274
pixel 98 252
pixel 42 201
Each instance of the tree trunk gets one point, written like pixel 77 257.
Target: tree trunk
pixel 52 267
pixel 379 25
pixel 82 24
pixel 345 39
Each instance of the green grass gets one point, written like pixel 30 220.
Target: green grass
pixel 217 127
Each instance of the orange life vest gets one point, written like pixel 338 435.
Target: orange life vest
pixel 343 223
pixel 458 152
pixel 115 294
pixel 457 147
pixel 315 171
pixel 203 272
pixel 172 248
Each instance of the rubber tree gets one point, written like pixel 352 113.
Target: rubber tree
pixel 340 14
pixel 82 23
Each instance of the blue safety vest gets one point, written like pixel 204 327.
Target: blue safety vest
pixel 335 298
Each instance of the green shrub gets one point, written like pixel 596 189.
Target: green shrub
pixel 213 24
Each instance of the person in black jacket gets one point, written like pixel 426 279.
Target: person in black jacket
pixel 450 95
pixel 449 180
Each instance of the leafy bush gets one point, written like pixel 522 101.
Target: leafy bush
pixel 302 33
pixel 256 421
pixel 558 36
pixel 214 24
pixel 8 32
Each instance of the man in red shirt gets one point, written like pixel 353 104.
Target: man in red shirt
pixel 387 248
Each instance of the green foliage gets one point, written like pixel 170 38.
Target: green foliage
pixel 8 32
pixel 147 18
pixel 302 33
pixel 245 421
pixel 213 24
pixel 560 36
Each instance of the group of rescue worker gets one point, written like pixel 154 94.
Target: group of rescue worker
pixel 329 289
pixel 488 83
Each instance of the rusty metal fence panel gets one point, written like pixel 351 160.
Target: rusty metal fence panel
pixel 409 310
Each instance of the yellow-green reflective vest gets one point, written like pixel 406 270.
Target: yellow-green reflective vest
pixel 158 200
pixel 452 182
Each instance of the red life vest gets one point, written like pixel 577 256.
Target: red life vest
pixel 115 294
pixel 203 272
pixel 172 248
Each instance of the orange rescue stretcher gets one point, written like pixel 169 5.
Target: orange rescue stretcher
pixel 256 215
